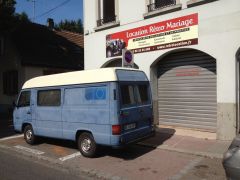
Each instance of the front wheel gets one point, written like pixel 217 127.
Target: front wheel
pixel 29 136
pixel 87 145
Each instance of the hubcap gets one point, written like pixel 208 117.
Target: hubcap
pixel 29 135
pixel 86 145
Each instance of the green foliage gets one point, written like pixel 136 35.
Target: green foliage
pixel 70 25
pixel 7 8
pixel 7 19
pixel 23 17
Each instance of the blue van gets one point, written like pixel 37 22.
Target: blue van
pixel 109 106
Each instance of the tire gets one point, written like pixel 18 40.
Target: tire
pixel 86 145
pixel 29 136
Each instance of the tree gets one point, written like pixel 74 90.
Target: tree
pixel 7 19
pixel 71 25
pixel 23 17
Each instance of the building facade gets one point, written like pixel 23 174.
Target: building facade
pixel 190 50
pixel 33 50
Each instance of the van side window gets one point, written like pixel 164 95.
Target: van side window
pixel 24 99
pixel 95 93
pixel 49 97
pixel 142 94
pixel 127 93
pixel 86 95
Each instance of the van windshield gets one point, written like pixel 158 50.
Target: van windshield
pixel 134 94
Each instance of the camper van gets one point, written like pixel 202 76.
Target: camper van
pixel 109 106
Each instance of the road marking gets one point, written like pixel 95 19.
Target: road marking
pixel 34 151
pixel 186 169
pixel 11 137
pixel 70 156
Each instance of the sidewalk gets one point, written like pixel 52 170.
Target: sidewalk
pixel 6 127
pixel 168 139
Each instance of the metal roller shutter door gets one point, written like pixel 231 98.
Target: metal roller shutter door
pixel 187 90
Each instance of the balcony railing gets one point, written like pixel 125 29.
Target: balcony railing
pixel 103 21
pixel 160 5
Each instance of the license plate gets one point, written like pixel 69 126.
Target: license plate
pixel 130 126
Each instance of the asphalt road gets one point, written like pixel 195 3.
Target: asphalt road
pixel 13 166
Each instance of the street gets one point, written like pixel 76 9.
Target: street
pixel 14 166
pixel 57 159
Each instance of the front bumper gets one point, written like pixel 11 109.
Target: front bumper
pixel 232 172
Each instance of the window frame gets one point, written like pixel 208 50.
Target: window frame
pixel 48 90
pixel 135 86
pixel 160 11
pixel 10 82
pixel 121 95
pixel 139 94
pixel 19 98
pixel 100 25
pixel 1 46
pixel 193 3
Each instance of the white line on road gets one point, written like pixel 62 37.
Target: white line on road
pixel 34 151
pixel 70 156
pixel 11 137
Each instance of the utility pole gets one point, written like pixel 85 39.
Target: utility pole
pixel 34 2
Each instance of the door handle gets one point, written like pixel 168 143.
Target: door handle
pixel 141 111
pixel 28 112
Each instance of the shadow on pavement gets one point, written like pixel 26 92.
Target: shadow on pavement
pixel 56 142
pixel 127 153
pixel 135 151
pixel 161 135
pixel 6 128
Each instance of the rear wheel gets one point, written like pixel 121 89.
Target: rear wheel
pixel 29 136
pixel 87 145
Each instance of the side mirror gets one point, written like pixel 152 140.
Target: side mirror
pixel 14 104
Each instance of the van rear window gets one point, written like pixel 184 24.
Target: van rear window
pixel 142 94
pixel 127 93
pixel 128 75
pixel 134 94
pixel 49 97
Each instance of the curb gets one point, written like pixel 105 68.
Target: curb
pixel 195 153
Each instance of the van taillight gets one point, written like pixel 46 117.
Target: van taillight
pixel 116 129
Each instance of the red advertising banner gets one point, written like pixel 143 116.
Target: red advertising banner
pixel 182 31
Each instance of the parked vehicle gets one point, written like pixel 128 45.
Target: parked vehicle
pixel 109 106
pixel 231 160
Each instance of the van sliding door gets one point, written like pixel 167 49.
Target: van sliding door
pixel 48 113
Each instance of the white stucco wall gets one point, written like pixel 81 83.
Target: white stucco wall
pixel 219 36
pixel 219 29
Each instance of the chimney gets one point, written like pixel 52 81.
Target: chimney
pixel 50 23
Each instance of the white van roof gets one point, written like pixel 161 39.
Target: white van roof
pixel 76 77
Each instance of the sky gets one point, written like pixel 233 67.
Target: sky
pixel 56 9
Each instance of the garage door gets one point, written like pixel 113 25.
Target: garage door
pixel 187 90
